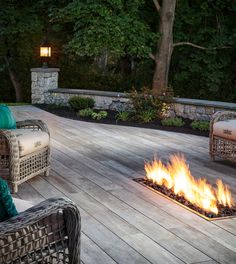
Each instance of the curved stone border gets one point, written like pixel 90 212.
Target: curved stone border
pixel 184 107
pixel 44 83
pixel 103 99
pixel 199 109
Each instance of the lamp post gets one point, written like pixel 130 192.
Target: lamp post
pixel 43 79
pixel 45 54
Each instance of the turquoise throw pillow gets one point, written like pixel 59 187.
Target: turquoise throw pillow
pixel 7 206
pixel 7 120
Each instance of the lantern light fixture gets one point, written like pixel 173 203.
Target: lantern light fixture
pixel 45 53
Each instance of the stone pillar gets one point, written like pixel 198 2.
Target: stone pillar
pixel 42 80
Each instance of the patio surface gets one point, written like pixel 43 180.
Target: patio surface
pixel 122 221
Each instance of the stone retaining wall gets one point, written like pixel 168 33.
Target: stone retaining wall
pixel 42 80
pixel 44 85
pixel 183 107
pixel 103 99
pixel 200 109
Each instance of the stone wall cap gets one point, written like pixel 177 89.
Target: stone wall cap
pixel 184 101
pixel 45 70
pixel 88 92
pixel 198 102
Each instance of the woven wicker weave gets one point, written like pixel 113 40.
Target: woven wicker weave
pixel 16 169
pixel 46 233
pixel 219 146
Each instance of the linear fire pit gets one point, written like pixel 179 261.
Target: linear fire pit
pixel 175 182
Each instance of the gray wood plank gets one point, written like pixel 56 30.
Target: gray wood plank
pixel 160 235
pixel 127 232
pixel 101 237
pixel 28 193
pixel 107 171
pixel 106 238
pixel 229 225
pixel 226 238
pixel 206 262
pixel 91 253
pixel 200 241
pixel 93 164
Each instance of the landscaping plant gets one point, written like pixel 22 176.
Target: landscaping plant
pixel 145 103
pixel 200 125
pixel 147 115
pixel 173 121
pixel 87 112
pixel 100 115
pixel 78 102
pixel 123 115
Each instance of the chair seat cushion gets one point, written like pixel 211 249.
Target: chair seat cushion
pixel 31 140
pixel 225 129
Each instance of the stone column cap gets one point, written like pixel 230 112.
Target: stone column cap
pixel 45 70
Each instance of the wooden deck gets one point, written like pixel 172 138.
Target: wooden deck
pixel 122 221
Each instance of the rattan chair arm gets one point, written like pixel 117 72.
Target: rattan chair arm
pixel 33 123
pixel 32 216
pixel 8 135
pixel 9 142
pixel 221 116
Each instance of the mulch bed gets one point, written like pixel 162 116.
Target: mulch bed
pixel 224 211
pixel 110 119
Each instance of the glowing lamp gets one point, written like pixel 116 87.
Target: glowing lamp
pixel 45 52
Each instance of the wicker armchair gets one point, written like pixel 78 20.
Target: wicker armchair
pixel 16 167
pixel 223 135
pixel 46 233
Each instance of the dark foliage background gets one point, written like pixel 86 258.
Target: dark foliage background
pixel 105 44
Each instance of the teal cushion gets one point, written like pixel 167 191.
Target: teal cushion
pixel 7 206
pixel 7 120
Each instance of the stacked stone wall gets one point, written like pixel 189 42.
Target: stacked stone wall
pixel 186 108
pixel 44 84
pixel 43 80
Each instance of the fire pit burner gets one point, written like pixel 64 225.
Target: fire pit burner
pixel 224 212
pixel 175 182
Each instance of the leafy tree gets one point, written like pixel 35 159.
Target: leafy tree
pixel 116 28
pixel 109 28
pixel 206 72
pixel 214 35
pixel 109 43
pixel 18 27
pixel 23 25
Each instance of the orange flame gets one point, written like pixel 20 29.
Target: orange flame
pixel 177 177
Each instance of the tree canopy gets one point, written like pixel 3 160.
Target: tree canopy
pixel 114 26
pixel 110 44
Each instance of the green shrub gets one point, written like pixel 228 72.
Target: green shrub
pixel 147 115
pixel 173 121
pixel 87 112
pixel 78 103
pixel 145 102
pixel 100 115
pixel 123 115
pixel 200 125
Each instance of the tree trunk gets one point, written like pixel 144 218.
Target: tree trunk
pixel 125 66
pixel 102 61
pixel 164 47
pixel 14 79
